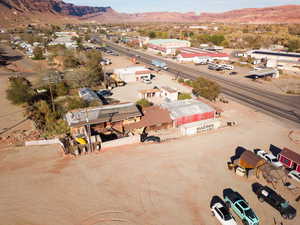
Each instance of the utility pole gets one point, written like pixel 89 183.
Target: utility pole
pixel 88 130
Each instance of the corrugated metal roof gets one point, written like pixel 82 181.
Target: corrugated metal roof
pixel 107 113
pixel 189 107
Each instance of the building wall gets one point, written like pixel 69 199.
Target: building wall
pixel 200 128
pixel 194 118
pixel 128 78
pixel 273 57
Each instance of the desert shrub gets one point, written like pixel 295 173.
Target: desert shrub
pixel 38 53
pixel 183 96
pixel 143 103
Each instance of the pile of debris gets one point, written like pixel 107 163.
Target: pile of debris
pixel 19 137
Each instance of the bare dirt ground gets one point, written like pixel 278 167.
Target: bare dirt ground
pixel 167 183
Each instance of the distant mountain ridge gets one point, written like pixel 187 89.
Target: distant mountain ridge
pixel 50 11
pixel 51 6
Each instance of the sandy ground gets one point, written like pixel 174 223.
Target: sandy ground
pixel 167 183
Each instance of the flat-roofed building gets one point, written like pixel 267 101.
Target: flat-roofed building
pixel 167 46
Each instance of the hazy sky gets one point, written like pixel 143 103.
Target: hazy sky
pixel 181 5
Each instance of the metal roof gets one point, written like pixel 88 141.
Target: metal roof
pixel 188 107
pixel 107 113
pixel 165 41
pixel 263 72
pixel 285 54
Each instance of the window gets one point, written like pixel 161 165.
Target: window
pixel 240 209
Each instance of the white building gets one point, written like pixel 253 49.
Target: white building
pixel 133 74
pixel 167 46
pixel 169 93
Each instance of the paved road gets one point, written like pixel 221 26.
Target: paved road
pixel 277 105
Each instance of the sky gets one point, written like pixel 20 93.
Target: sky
pixel 134 6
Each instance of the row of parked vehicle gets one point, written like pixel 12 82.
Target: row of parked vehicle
pixel 219 67
pixel 108 51
pixel 233 200
pixel 270 158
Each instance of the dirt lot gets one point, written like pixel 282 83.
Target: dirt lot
pixel 167 183
pixel 129 92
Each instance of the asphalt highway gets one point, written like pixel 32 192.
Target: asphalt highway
pixel 278 105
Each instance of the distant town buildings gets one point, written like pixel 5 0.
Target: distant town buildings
pixel 167 46
pixel 66 39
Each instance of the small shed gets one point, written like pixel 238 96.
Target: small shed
pixel 249 160
pixel 289 159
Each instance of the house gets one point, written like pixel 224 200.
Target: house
pixel 102 119
pixel 289 159
pixel 149 93
pixel 169 93
pixel 159 94
pixel 167 46
pixel 154 118
pixel 133 74
pixel 189 111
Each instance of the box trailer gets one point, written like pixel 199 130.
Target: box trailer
pixel 159 64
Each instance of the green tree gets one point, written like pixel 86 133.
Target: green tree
pixel 61 89
pixel 217 39
pixel 152 34
pixel 206 88
pixel 293 45
pixel 20 90
pixel 38 53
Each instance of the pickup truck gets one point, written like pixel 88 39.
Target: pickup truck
pixel 264 193
pixel 239 205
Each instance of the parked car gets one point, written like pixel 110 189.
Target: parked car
pixel 105 62
pixel 268 157
pixel 221 212
pixel 239 205
pixel 294 175
pixel 264 193
pixel 147 81
pixel 233 73
pixel 104 93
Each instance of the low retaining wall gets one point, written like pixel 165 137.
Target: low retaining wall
pixel 122 141
pixel 43 142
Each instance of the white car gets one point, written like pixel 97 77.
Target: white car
pixel 268 157
pixel 222 214
pixel 294 175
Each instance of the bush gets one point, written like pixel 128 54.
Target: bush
pixel 183 96
pixel 19 91
pixel 180 80
pixel 38 53
pixel 143 103
pixel 206 88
